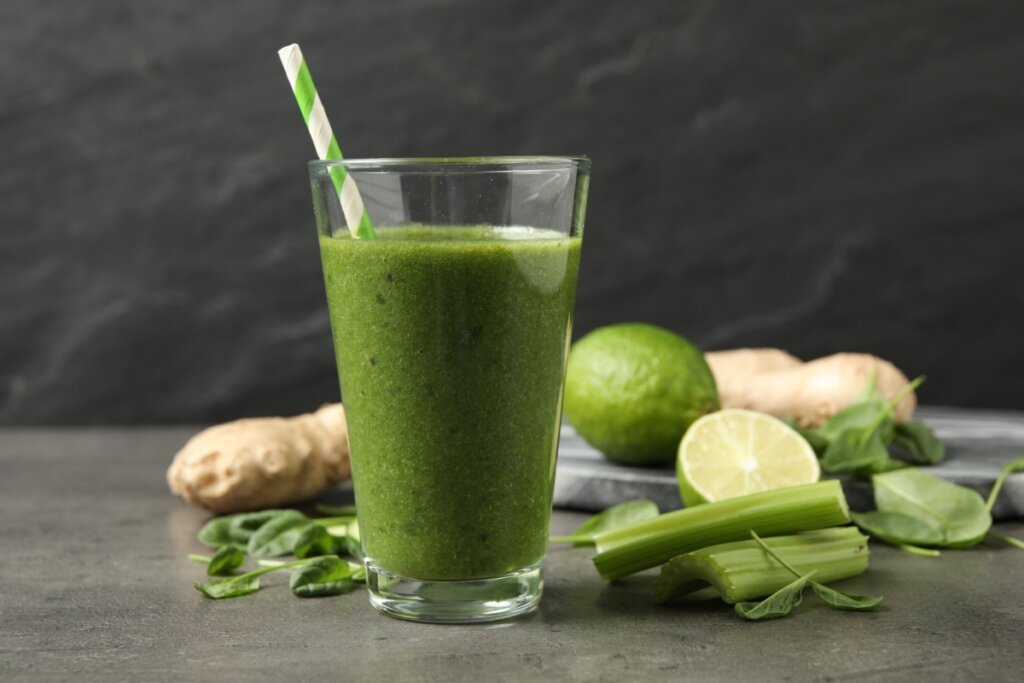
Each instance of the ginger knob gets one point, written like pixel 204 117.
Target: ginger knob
pixel 263 462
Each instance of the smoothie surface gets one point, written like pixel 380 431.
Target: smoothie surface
pixel 451 346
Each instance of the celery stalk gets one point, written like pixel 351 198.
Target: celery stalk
pixel 743 570
pixel 655 541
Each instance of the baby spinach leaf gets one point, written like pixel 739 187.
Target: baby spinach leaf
pixel 322 577
pixel 870 391
pixel 851 452
pixel 958 511
pixel 618 516
pixel 890 465
pixel 817 442
pixel 920 442
pixel 856 417
pixel 336 510
pixel 845 601
pixel 225 561
pixel 1010 468
pixel 349 545
pixel 1005 538
pixel 236 529
pixel 334 521
pixel 832 597
pixel 778 604
pixel 614 517
pixel 278 536
pixel 313 540
pixel 898 529
pixel 243 584
pixel 918 550
pixel 346 539
pixel 870 413
pixel 232 587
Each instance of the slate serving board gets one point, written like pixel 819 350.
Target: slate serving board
pixel 978 444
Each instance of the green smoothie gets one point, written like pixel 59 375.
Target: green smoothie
pixel 451 347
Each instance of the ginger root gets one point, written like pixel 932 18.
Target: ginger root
pixel 263 462
pixel 774 382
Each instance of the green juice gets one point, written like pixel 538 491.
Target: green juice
pixel 451 346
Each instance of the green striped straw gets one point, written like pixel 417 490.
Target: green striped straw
pixel 323 139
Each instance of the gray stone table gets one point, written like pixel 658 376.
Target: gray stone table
pixel 94 585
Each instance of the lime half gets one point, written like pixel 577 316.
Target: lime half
pixel 735 452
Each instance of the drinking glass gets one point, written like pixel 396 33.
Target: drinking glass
pixel 451 328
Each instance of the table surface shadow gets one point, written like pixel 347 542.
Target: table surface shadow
pixel 95 586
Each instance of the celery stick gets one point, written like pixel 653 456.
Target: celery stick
pixel 655 541
pixel 743 570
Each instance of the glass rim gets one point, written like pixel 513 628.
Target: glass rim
pixel 421 163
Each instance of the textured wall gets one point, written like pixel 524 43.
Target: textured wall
pixel 815 175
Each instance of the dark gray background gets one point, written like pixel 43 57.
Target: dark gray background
pixel 817 175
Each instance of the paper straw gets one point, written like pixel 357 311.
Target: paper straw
pixel 323 139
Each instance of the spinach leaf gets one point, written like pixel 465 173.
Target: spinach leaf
pixel 349 545
pixel 272 533
pixel 870 414
pixel 778 604
pixel 920 442
pixel 958 511
pixel 845 601
pixel 313 540
pixel 617 516
pixel 890 465
pixel 278 536
pixel 613 518
pixel 833 598
pixel 817 442
pixel 243 584
pixel 857 417
pixel 346 539
pixel 323 576
pixel 1005 538
pixel 870 391
pixel 852 452
pixel 225 561
pixel 236 529
pixel 336 510
pixel 232 587
pixel 918 550
pixel 1011 467
pixel 898 528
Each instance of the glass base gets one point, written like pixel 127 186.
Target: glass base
pixel 455 602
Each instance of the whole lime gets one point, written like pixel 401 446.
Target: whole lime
pixel 632 391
